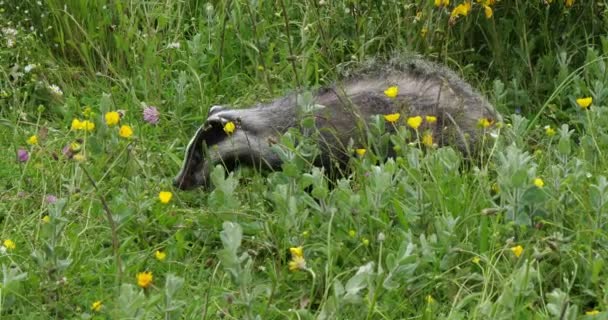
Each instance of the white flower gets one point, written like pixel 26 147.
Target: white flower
pixel 9 32
pixel 10 42
pixel 55 90
pixel 2 249
pixel 29 68
pixel 173 45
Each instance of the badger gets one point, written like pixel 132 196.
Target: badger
pixel 423 88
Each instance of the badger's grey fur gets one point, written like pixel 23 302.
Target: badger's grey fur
pixel 424 88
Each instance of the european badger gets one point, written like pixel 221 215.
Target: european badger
pixel 424 88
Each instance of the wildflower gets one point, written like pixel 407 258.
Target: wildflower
pixel 50 199
pixel 462 9
pixel 495 188
pixel 88 125
pixel 584 103
pixel 365 242
pixel 392 118
pixel 22 155
pixel 352 233
pixel 46 219
pixel 297 259
pixel 79 157
pixel 151 115
pixel 569 3
pixel 87 112
pixel 260 68
pixel 165 196
pixel 538 182
pixel 488 11
pixel 160 255
pixel 550 132
pixel 517 250
pixel 9 244
pixel 360 152
pixel 144 279
pixel 29 68
pixel 125 131
pixel 392 92
pixel 96 306
pixel 32 140
pixel 77 124
pixel 592 312
pixel 431 119
pixel 427 139
pixel 229 127
pixel 173 45
pixel 484 123
pixel 442 3
pixel 475 260
pixel 414 122
pixel 55 90
pixel 429 299
pixel 75 146
pixel 112 118
pixel 305 234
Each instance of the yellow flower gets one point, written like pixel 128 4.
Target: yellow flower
pixel 584 102
pixel 462 9
pixel 517 250
pixel 96 306
pixel 475 260
pixel 75 146
pixel 427 139
pixel 439 3
pixel 424 31
pixel 550 132
pixel 297 259
pixel 392 118
pixel 88 125
pixel 484 123
pixel 488 11
pixel 112 118
pixel 429 299
pixel 592 312
pixel 392 91
pixel 160 255
pixel 125 131
pixel 9 244
pixel 414 122
pixel 144 279
pixel 46 219
pixel 229 127
pixel 495 187
pixel 539 182
pixel 365 242
pixel 569 3
pixel 360 152
pixel 79 157
pixel 77 124
pixel 352 233
pixel 32 140
pixel 431 119
pixel 165 196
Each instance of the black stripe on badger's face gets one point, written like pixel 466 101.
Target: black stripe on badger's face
pixel 194 171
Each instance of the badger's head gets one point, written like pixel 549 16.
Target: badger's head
pixel 211 145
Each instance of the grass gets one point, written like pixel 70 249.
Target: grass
pixel 424 235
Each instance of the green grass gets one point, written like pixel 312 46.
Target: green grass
pixel 425 235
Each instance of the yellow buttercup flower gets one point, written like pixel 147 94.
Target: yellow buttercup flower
pixel 462 9
pixel 414 122
pixel 160 255
pixel 592 312
pixel 96 306
pixel 144 279
pixel 297 251
pixel 517 250
pixel 360 152
pixel 32 140
pixel 484 123
pixel 550 132
pixel 431 119
pixel 584 102
pixel 46 219
pixel 427 139
pixel 442 3
pixel 488 11
pixel 125 131
pixel 165 196
pixel 88 125
pixel 538 182
pixel 475 260
pixel 352 233
pixel 9 244
pixel 77 124
pixel 229 127
pixel 392 118
pixel 569 3
pixel 297 259
pixel 112 118
pixel 392 92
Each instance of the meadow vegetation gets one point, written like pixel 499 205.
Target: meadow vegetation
pixel 98 100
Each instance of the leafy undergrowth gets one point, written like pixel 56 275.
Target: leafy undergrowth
pixel 98 101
